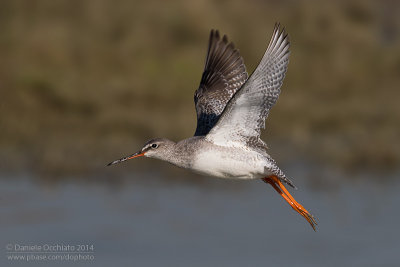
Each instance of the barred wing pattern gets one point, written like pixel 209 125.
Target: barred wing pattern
pixel 244 116
pixel 224 73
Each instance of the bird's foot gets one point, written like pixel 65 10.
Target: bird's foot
pixel 278 186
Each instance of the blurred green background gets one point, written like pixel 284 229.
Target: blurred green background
pixel 85 82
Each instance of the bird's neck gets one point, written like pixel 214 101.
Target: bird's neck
pixel 182 153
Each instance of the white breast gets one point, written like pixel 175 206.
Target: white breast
pixel 234 164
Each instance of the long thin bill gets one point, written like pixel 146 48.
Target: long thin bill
pixel 137 154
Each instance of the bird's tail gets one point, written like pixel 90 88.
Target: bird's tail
pixel 279 173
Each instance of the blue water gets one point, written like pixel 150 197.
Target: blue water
pixel 149 221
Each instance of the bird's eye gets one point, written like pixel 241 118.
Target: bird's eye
pixel 154 145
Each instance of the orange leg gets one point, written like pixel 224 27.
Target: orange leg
pixel 278 186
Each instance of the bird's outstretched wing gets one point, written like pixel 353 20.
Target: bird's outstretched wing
pixel 244 116
pixel 224 73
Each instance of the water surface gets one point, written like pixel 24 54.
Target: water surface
pixel 151 222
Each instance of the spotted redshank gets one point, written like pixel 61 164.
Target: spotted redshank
pixel 231 111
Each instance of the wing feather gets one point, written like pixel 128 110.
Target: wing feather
pixel 224 73
pixel 245 114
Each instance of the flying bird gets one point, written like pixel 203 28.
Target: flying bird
pixel 231 110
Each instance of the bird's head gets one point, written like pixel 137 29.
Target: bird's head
pixel 158 148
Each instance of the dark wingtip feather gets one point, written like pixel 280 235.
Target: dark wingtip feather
pixel 225 39
pixel 277 26
pixel 216 34
pixel 224 73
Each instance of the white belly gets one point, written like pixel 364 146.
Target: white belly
pixel 225 164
